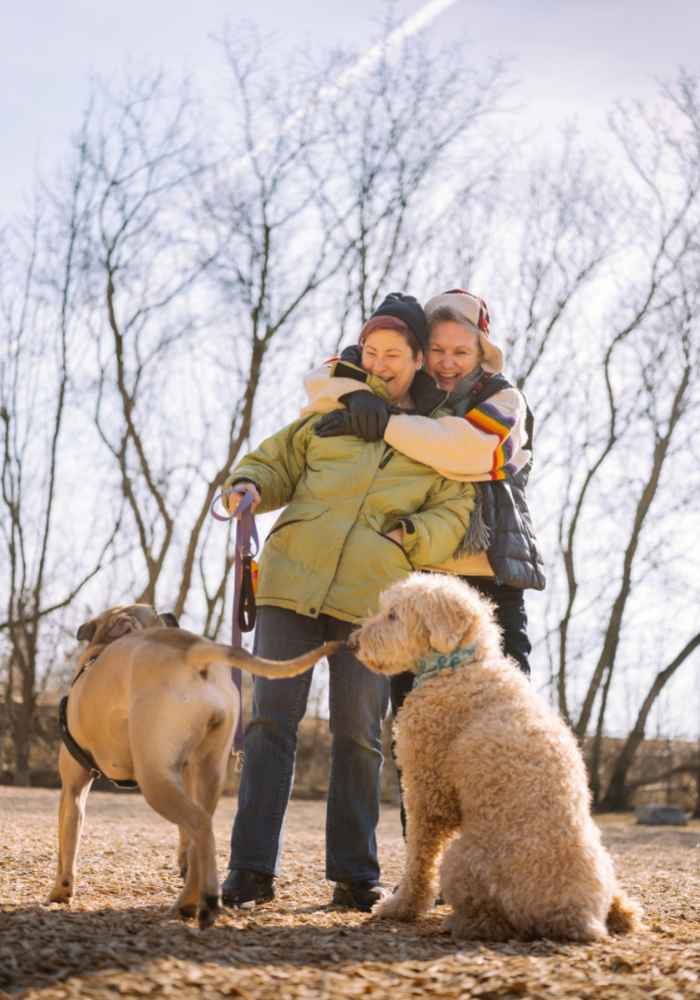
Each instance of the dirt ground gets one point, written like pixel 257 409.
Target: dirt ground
pixel 117 937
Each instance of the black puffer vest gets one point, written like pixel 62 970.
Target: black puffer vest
pixel 513 550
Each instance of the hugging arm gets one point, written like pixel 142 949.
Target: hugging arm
pixel 489 443
pixel 365 416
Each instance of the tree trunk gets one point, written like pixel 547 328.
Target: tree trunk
pixel 22 743
pixel 617 795
pixel 614 629
pixel 594 777
pixel 696 811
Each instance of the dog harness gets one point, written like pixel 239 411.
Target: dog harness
pixel 433 663
pixel 84 758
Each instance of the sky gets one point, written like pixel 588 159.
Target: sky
pixel 571 59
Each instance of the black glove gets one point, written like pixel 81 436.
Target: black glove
pixel 369 414
pixel 334 424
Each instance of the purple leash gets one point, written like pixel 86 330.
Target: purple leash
pixel 243 618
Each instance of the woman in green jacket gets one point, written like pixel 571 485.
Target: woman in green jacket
pixel 358 517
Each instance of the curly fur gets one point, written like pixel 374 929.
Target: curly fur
pixel 483 755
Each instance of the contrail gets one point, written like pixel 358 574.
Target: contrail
pixel 411 26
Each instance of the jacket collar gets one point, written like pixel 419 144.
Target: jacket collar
pixel 426 394
pixel 433 663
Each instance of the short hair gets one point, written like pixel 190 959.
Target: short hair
pixel 448 314
pixel 391 323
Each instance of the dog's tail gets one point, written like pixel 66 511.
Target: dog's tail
pixel 624 915
pixel 215 652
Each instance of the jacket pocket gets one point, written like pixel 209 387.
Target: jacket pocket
pixel 299 510
pixel 390 541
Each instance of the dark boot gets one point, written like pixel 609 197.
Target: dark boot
pixel 242 889
pixel 361 895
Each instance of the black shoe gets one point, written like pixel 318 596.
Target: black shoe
pixel 242 889
pixel 360 895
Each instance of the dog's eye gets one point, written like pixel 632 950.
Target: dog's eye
pixel 392 615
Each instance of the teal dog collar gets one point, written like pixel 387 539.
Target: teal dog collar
pixel 433 663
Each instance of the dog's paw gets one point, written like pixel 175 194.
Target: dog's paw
pixel 183 912
pixel 210 911
pixel 396 907
pixel 61 893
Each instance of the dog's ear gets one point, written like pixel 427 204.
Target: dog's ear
pixel 444 640
pixel 87 630
pixel 445 634
pixel 143 616
pixel 120 627
pixel 169 619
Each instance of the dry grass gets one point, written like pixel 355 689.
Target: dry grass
pixel 118 939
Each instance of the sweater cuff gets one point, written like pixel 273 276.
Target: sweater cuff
pixel 233 484
pixel 410 535
pixel 406 523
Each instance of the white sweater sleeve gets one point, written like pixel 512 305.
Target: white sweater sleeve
pixel 486 444
pixel 323 391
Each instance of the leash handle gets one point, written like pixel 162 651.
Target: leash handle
pixel 243 617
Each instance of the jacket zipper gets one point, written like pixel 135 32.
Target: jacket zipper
pixel 387 458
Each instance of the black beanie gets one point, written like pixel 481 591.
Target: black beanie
pixel 408 309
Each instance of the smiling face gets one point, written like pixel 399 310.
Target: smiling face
pixel 454 352
pixel 388 355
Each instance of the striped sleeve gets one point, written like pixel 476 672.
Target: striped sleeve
pixel 487 444
pixel 489 420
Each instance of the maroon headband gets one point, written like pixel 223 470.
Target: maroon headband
pixel 386 323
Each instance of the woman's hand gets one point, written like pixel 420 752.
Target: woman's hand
pixel 366 417
pixel 234 498
pixel 334 424
pixel 396 535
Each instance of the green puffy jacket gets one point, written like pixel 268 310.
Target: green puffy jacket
pixel 327 552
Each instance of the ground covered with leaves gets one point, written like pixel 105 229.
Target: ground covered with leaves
pixel 117 938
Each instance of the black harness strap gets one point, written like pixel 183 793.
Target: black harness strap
pixel 85 759
pixel 483 380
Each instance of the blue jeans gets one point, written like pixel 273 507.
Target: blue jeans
pixel 358 704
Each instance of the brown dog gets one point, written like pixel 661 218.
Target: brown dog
pixel 483 756
pixel 157 706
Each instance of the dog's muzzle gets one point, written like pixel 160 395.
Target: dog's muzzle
pixel 353 643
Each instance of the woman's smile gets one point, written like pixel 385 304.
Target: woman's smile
pixel 453 352
pixel 387 354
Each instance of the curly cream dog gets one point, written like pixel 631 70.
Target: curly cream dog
pixel 481 753
pixel 157 705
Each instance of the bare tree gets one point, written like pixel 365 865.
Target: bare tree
pixel 648 367
pixel 143 260
pixel 350 177
pixel 403 140
pixel 618 791
pixel 37 315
